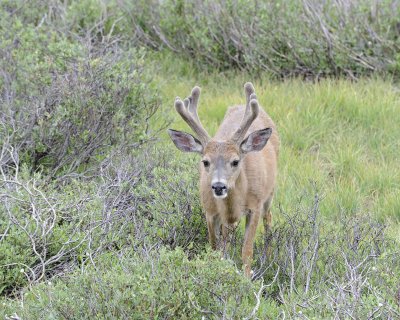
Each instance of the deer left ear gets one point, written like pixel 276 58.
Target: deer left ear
pixel 256 140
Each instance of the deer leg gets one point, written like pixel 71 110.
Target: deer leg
pixel 227 235
pixel 267 216
pixel 224 239
pixel 248 214
pixel 250 234
pixel 267 221
pixel 214 228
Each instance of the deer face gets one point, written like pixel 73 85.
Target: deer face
pixel 221 160
pixel 221 165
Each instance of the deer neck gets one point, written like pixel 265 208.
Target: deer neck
pixel 239 189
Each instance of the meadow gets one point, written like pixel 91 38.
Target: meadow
pixel 99 213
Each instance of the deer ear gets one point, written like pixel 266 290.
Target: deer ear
pixel 185 141
pixel 256 140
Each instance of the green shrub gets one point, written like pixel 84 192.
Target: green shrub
pixel 44 228
pixel 313 270
pixel 285 38
pixel 64 102
pixel 344 263
pixel 132 201
pixel 173 212
pixel 165 285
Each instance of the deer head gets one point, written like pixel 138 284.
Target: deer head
pixel 221 159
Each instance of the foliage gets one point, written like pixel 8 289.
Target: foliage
pixel 312 270
pixel 65 102
pixel 167 286
pixel 285 38
pixel 309 38
pixel 49 229
pixel 340 264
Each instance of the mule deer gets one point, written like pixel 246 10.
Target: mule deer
pixel 237 170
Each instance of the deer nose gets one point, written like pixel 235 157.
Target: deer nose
pixel 219 188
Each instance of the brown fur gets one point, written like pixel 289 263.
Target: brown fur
pixel 253 187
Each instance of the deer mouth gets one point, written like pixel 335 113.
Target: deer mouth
pixel 222 196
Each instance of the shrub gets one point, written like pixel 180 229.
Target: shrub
pixel 165 285
pixel 64 103
pixel 313 271
pixel 49 228
pixel 285 38
pixel 340 264
pixel 173 209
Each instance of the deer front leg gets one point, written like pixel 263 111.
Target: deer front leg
pixel 227 231
pixel 214 228
pixel 252 220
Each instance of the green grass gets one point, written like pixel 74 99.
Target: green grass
pixel 337 136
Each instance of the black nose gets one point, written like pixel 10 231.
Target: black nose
pixel 218 188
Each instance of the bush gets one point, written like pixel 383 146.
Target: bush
pixel 348 268
pixel 285 38
pixel 49 229
pixel 75 114
pixel 99 103
pixel 173 209
pixel 165 285
pixel 65 103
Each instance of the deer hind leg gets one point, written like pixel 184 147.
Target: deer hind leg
pixel 267 221
pixel 267 216
pixel 252 220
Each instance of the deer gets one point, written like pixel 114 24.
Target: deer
pixel 238 168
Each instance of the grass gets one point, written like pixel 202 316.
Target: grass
pixel 339 137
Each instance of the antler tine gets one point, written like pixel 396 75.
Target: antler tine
pixel 186 102
pixel 250 114
pixel 194 99
pixel 190 119
pixel 248 90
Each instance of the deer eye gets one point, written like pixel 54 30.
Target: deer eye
pixel 235 163
pixel 206 163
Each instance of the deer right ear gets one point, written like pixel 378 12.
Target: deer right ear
pixel 185 141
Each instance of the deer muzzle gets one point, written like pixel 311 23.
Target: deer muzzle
pixel 220 190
